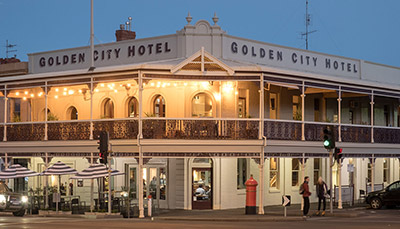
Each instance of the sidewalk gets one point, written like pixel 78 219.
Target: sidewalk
pixel 272 213
pixel 294 210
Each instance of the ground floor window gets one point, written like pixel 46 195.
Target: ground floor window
pixel 369 175
pixel 295 171
pixel 274 173
pixel 317 169
pixel 241 173
pixel 386 170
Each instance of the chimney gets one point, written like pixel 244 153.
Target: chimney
pixel 123 34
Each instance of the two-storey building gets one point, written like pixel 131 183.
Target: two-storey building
pixel 202 108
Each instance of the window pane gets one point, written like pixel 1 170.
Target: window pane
pixel 202 105
pixel 132 182
pixel 241 173
pixel 163 183
pixel 295 171
pixel 274 173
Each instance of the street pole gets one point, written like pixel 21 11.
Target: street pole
pixel 330 180
pixel 340 185
pixel 109 179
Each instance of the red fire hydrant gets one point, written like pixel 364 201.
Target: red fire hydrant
pixel 251 196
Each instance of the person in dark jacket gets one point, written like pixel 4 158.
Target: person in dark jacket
pixel 306 196
pixel 322 192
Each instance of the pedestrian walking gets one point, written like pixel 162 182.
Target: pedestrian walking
pixel 322 192
pixel 305 190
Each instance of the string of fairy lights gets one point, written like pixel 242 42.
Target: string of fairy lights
pixel 227 87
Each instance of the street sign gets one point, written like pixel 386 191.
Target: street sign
pixel 350 168
pixel 286 200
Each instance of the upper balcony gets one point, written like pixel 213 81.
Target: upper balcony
pixel 166 107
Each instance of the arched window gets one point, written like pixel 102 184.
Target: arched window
pixel 202 105
pixel 159 106
pixel 133 107
pixel 108 109
pixel 72 113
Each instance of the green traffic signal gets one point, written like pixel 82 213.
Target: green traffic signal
pixel 329 137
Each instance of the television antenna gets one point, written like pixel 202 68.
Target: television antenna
pixel 308 22
pixel 9 48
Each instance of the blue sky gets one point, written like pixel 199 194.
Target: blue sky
pixel 363 29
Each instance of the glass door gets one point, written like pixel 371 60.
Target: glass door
pixel 202 188
pixel 154 183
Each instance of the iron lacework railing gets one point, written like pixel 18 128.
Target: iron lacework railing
pixel 195 129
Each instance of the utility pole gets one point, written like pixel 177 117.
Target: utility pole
pixel 331 163
pixel 91 68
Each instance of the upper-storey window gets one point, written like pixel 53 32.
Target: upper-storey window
pixel 202 105
pixel 159 106
pixel 133 107
pixel 72 113
pixel 107 109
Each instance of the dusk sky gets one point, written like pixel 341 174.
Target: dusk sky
pixel 362 29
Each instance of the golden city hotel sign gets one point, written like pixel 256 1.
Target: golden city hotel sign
pixel 289 58
pixel 117 53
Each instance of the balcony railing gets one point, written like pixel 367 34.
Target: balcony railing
pixel 387 135
pixel 282 130
pixel 117 129
pixel 79 130
pixel 223 129
pixel 25 132
pixel 358 134
pixel 190 128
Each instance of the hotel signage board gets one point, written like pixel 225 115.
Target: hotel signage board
pixel 111 54
pixel 286 58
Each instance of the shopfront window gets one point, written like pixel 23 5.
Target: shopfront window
pixel 132 182
pixel 274 173
pixel 163 183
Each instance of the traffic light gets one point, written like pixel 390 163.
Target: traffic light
pixel 338 154
pixel 103 147
pixel 329 137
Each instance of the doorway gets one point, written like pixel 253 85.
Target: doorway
pixel 154 182
pixel 273 106
pixel 202 185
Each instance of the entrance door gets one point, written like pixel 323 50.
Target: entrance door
pixel 273 103
pixel 154 183
pixel 202 188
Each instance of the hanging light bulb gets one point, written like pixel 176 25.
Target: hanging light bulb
pixel 32 95
pixel 26 92
pixel 56 96
pixel 65 89
pixel 57 90
pixel 17 93
pixel 24 98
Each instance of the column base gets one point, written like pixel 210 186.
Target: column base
pixel 251 210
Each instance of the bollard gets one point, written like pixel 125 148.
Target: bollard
pixel 149 205
pixel 251 196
